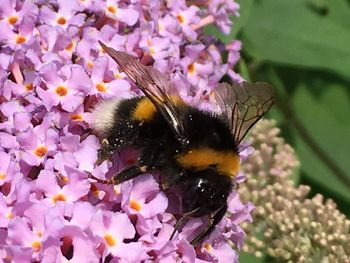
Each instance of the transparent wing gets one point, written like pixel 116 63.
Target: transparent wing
pixel 243 104
pixel 154 84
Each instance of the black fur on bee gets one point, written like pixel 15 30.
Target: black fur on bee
pixel 194 150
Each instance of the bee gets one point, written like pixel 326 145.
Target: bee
pixel 194 150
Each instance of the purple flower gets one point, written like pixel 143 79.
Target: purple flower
pixel 52 73
pixel 8 168
pixel 65 16
pixel 112 229
pixel 69 193
pixel 38 142
pixel 67 90
pixel 221 9
pixel 13 12
pixel 143 196
pixel 116 87
pixel 115 9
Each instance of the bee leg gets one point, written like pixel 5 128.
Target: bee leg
pixel 213 221
pixel 105 152
pixel 168 181
pixel 181 221
pixel 128 174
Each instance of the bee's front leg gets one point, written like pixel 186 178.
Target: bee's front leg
pixel 128 174
pixel 213 221
pixel 123 176
pixel 105 152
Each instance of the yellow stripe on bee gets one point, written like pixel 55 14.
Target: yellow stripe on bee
pixel 145 109
pixel 227 163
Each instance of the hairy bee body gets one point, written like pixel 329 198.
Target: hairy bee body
pixel 193 149
pixel 203 169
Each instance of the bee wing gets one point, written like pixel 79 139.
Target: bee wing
pixel 154 84
pixel 244 104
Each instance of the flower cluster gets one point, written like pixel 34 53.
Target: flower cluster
pixel 287 225
pixel 52 73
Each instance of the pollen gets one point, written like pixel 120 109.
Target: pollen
pixel 36 245
pixel 40 151
pixel 101 87
pixel 70 46
pixel 20 39
pixel 180 18
pixel 191 69
pixel 161 27
pixel 12 20
pixel 207 247
pixel 39 233
pixel 9 215
pixel 2 176
pixel 61 91
pixel 76 117
pixel 90 65
pixel 112 9
pixel 28 86
pixel 59 197
pixel 152 51
pixel 65 179
pixel 118 75
pixel 135 205
pixel 110 240
pixel 116 189
pixel 94 189
pixel 61 21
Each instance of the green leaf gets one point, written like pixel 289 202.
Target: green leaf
pixel 290 32
pixel 323 118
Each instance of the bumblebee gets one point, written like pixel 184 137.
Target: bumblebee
pixel 194 150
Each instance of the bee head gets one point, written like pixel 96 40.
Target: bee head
pixel 205 191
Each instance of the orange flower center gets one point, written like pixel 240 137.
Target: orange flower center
pixel 101 87
pixel 41 151
pixel 20 39
pixel 76 117
pixel 36 245
pixel 110 240
pixel 61 91
pixel 70 46
pixel 191 68
pixel 90 64
pixel 207 246
pixel 112 9
pixel 180 18
pixel 28 86
pixel 12 20
pixel 59 197
pixel 61 21
pixel 2 176
pixel 135 205
pixel 9 215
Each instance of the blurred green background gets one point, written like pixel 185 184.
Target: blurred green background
pixel 302 47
